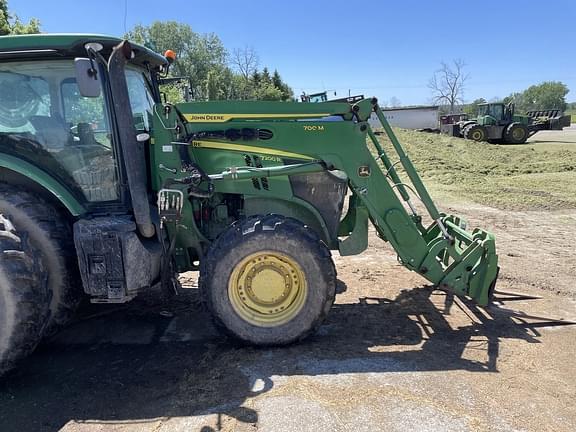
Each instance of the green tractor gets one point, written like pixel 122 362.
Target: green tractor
pixel 107 192
pixel 314 97
pixel 498 123
pixel 323 97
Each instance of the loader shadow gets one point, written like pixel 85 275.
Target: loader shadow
pixel 144 364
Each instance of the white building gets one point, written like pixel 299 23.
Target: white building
pixel 418 117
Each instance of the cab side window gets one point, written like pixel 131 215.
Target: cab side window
pixel 46 122
pixel 141 100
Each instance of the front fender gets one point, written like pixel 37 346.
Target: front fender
pixel 43 179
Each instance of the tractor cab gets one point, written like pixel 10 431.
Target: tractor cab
pixel 315 97
pixel 495 113
pixel 499 114
pixel 48 120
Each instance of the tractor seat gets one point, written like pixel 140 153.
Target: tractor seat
pixel 51 132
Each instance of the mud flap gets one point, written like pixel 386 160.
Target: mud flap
pixel 114 261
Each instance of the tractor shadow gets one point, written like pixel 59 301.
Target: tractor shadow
pixel 138 363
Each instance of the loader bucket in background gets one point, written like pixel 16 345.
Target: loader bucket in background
pixel 552 119
pixel 456 259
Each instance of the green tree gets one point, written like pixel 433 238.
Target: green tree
pixel 266 78
pixel 4 25
pixel 285 90
pixel 220 84
pixel 11 24
pixel 546 95
pixel 203 59
pixel 550 94
pixel 267 91
pixel 197 54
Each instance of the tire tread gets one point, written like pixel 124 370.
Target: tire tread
pixel 27 288
pixel 279 224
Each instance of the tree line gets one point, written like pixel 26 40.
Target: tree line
pixel 213 73
pixel 208 69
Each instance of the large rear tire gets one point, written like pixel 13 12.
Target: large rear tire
pixel 48 229
pixel 516 133
pixel 24 296
pixel 268 280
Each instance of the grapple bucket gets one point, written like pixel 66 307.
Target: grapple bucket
pixel 468 260
pixel 552 119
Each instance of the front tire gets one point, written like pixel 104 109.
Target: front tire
pixel 475 132
pixel 268 280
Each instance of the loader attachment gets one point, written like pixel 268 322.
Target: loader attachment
pixel 552 119
pixel 445 252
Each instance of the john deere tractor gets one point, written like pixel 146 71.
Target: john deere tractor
pixel 498 122
pixel 107 192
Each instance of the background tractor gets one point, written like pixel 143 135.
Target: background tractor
pixel 498 122
pixel 106 193
pixel 323 97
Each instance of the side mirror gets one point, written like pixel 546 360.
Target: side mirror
pixel 87 78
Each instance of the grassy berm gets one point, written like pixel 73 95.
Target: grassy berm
pixel 538 175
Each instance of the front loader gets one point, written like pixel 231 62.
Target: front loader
pixel 250 194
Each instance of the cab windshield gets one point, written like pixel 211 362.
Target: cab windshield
pixel 494 110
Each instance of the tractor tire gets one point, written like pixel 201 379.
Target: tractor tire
pixel 24 296
pixel 475 132
pixel 49 231
pixel 516 133
pixel 463 125
pixel 268 280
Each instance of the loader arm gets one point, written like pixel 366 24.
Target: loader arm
pixel 445 253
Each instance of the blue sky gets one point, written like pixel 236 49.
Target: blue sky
pixel 386 49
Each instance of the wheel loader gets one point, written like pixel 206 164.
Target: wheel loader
pixel 498 123
pixel 107 192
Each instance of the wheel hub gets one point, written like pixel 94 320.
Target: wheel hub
pixel 267 288
pixel 518 133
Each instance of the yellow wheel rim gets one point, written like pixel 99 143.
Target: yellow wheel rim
pixel 477 135
pixel 267 288
pixel 518 133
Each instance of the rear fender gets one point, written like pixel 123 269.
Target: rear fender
pixel 35 175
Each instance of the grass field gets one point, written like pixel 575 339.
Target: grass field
pixel 534 176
